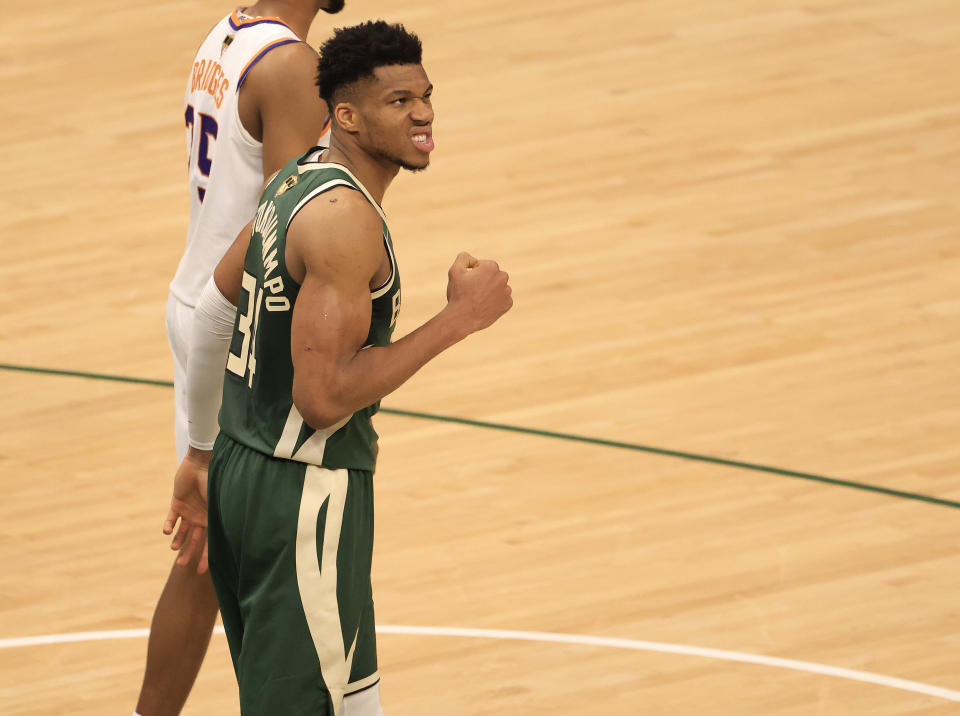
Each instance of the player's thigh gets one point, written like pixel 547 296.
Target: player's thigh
pixel 291 545
pixel 223 566
pixel 312 550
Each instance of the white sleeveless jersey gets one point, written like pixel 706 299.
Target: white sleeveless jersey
pixel 225 162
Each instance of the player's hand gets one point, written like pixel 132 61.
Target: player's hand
pixel 189 506
pixel 479 291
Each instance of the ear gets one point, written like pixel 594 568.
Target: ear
pixel 346 115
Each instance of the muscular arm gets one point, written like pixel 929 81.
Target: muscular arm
pixel 280 104
pixel 338 247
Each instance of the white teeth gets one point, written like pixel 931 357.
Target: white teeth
pixel 420 138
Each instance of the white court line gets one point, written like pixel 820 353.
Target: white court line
pixel 634 645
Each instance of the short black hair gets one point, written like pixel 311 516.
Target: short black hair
pixel 353 53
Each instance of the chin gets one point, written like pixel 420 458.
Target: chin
pixel 415 167
pixel 423 161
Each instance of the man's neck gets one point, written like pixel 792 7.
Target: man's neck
pixel 375 174
pixel 297 14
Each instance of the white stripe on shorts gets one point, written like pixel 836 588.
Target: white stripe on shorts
pixel 318 587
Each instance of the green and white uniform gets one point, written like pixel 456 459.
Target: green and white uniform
pixel 291 508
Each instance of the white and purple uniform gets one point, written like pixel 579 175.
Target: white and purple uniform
pixel 225 166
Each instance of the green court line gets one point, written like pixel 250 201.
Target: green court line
pixel 556 435
pixel 92 376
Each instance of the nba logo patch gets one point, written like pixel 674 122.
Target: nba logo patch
pixel 288 184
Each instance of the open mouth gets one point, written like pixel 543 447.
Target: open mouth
pixel 423 141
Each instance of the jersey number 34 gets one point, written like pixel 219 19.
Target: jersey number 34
pixel 245 364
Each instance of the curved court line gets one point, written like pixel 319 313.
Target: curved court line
pixel 560 436
pixel 552 637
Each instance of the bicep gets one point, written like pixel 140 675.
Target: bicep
pixel 325 336
pixel 330 321
pixel 338 248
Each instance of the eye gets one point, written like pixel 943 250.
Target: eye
pixel 399 100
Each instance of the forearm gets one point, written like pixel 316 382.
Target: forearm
pixel 209 344
pixel 325 397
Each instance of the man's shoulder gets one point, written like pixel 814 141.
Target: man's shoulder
pixel 282 80
pixel 305 177
pixel 341 206
pixel 288 63
pixel 337 231
pixel 338 214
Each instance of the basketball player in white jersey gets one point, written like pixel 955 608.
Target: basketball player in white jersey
pixel 251 105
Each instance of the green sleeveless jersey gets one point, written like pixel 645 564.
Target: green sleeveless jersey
pixel 257 409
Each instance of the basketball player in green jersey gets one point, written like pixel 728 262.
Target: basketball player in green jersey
pixel 317 291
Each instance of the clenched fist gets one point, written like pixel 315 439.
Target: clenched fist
pixel 478 291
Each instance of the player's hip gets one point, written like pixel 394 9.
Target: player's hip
pixel 272 504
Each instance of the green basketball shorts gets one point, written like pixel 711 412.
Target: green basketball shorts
pixel 290 548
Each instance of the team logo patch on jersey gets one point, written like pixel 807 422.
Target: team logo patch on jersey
pixel 288 183
pixel 226 43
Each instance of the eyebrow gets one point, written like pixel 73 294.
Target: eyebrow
pixel 404 93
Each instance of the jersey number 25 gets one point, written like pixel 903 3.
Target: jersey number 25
pixel 208 133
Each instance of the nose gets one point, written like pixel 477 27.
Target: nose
pixel 422 112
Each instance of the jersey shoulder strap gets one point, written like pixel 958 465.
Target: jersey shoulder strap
pixel 329 175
